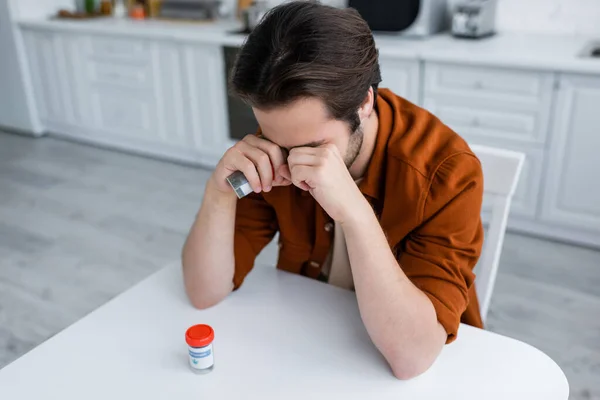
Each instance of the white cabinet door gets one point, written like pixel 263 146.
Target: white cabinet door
pixel 491 103
pixel 403 77
pixel 490 120
pixel 121 81
pixel 129 115
pixel 170 89
pixel 44 51
pixel 55 66
pixel 204 74
pixel 572 195
pixel 17 108
pixel 72 64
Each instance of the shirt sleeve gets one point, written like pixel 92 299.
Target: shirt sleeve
pixel 255 227
pixel 439 256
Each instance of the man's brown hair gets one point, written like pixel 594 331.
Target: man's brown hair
pixel 304 49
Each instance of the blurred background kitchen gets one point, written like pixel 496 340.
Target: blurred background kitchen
pixel 112 114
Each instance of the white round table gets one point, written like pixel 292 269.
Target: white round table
pixel 281 336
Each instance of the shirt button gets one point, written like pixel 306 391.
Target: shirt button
pixel 314 264
pixel 328 227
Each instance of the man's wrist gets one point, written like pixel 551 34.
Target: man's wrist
pixel 218 198
pixel 359 214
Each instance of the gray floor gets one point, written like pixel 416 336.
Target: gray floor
pixel 78 225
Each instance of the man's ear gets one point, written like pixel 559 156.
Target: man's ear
pixel 366 108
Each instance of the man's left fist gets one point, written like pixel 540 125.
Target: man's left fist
pixel 322 172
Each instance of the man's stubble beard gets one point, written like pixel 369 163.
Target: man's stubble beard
pixel 355 143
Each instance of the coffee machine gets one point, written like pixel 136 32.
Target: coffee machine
pixel 474 19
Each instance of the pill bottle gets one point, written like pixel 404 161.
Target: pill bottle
pixel 200 342
pixel 240 184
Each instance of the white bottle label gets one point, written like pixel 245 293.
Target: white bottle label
pixel 201 357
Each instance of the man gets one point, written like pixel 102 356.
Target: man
pixel 367 191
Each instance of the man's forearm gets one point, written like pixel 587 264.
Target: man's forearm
pixel 208 258
pixel 400 318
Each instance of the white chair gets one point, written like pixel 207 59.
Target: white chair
pixel 501 171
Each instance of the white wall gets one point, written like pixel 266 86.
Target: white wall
pixel 550 16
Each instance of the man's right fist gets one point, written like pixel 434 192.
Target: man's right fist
pixel 258 159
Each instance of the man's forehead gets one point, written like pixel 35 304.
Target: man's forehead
pixel 302 123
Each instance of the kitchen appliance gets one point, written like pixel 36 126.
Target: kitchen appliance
pixel 199 10
pixel 240 115
pixel 474 19
pixel 408 17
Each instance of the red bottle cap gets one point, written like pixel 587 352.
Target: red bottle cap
pixel 199 336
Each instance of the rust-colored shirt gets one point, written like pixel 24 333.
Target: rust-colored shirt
pixel 425 186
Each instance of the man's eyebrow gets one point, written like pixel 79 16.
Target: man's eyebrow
pixel 311 144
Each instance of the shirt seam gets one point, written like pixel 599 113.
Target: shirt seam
pixel 434 174
pixel 405 161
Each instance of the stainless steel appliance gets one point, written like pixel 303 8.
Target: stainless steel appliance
pixel 241 117
pixel 200 10
pixel 474 18
pixel 407 17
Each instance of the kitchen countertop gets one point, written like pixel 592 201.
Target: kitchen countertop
pixel 516 50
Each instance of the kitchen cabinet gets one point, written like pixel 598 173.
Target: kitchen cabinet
pixel 403 77
pixel 124 83
pixel 205 79
pixel 125 114
pixel 17 101
pixel 44 50
pixel 170 92
pixel 157 98
pixel 491 103
pixel 165 95
pixel 572 193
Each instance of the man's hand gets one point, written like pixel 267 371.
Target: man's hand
pixel 258 159
pixel 322 172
